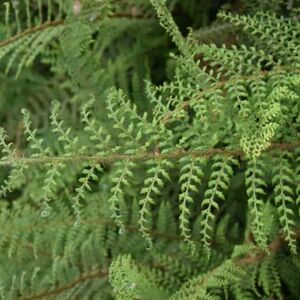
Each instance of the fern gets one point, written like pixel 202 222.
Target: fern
pixel 191 175
pixel 123 176
pixel 152 186
pixel 217 185
pixel 172 148
pixel 255 192
pixel 283 197
pixel 128 284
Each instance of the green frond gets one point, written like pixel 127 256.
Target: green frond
pixel 190 179
pixel 297 175
pixel 284 197
pixel 175 130
pixel 64 134
pixel 206 286
pixel 235 61
pixel 269 278
pixel 217 186
pixel 121 180
pixel 267 27
pixel 96 132
pixel 50 186
pixel 167 22
pixel 255 190
pixel 129 282
pixel 16 177
pixel 153 184
pixel 88 175
pixel 36 144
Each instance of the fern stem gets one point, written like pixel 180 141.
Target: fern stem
pixel 31 31
pixel 90 276
pixel 142 156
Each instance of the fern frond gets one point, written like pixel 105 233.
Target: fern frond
pixel 265 121
pixel 64 135
pixel 96 132
pixel 127 131
pixel 87 175
pixel 217 186
pixel 49 187
pixel 167 22
pixel 121 180
pixel 17 175
pixel 138 135
pixel 235 61
pixel 36 144
pixel 284 197
pixel 153 185
pixel 298 178
pixel 129 282
pixel 34 34
pixel 26 46
pixel 166 222
pixel 146 132
pixel 255 189
pixel 190 178
pixel 276 34
pixel 269 278
pixel 203 286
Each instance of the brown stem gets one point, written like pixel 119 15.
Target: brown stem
pixel 142 156
pixel 253 258
pixel 90 276
pixel 274 248
pixel 250 259
pixel 31 31
pixel 61 22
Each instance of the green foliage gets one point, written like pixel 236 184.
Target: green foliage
pixel 217 185
pixel 190 177
pixel 255 190
pixel 284 197
pixel 130 283
pixel 169 165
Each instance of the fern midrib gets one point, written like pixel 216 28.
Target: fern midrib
pixel 31 31
pixel 90 276
pixel 110 159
